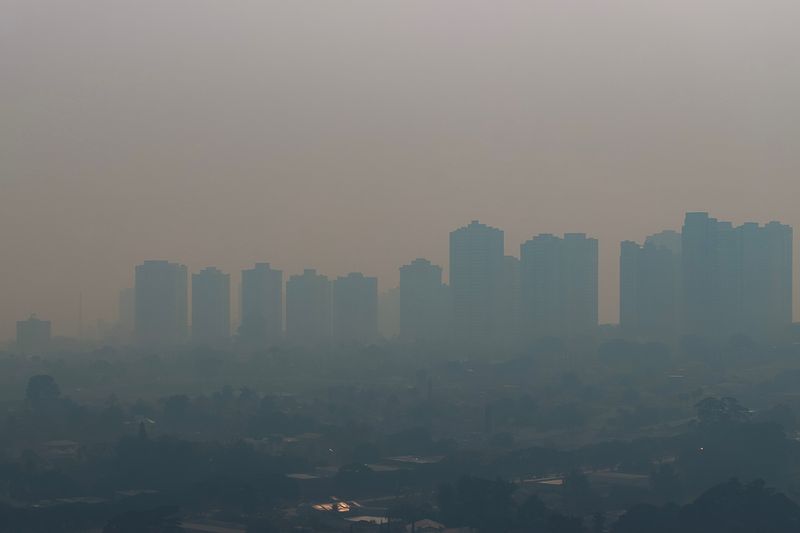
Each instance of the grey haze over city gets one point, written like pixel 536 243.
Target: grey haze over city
pixel 399 266
pixel 355 135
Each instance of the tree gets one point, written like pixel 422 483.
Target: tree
pixel 665 483
pixel 578 492
pixel 731 507
pixel 176 407
pixel 780 414
pixel 42 391
pixel 598 522
pixel 160 520
pixel 481 503
pixel 715 411
pixel 355 477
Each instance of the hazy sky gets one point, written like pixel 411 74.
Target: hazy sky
pixel 354 135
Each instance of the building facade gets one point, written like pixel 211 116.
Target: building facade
pixel 308 309
pixel 735 279
pixel 211 307
pixel 126 314
pixel 423 302
pixel 261 323
pixel 559 285
pixel 33 336
pixel 650 287
pixel 355 309
pixel 161 303
pixel 476 273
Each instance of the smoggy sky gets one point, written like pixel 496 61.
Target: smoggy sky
pixel 354 135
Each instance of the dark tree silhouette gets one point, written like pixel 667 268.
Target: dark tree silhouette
pixel 480 503
pixel 488 506
pixel 714 411
pixel 42 391
pixel 666 483
pixel 731 507
pixel 160 520
pixel 578 492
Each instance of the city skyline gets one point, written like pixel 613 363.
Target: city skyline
pixel 315 158
pixel 452 265
pixel 550 289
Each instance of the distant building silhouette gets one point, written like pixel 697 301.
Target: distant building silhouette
pixel 33 336
pixel 211 307
pixel 308 309
pixel 423 302
pixel 541 260
pixel 710 280
pixel 559 285
pixel 735 279
pixel 581 282
pixel 355 309
pixel 766 278
pixel 650 286
pixel 262 306
pixel 476 272
pixel 510 300
pixel 161 303
pixel 389 313
pixel 126 313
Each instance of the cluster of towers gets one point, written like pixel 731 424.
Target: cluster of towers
pixel 317 311
pixel 710 279
pixel 550 290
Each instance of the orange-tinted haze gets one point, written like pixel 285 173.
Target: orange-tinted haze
pixel 355 134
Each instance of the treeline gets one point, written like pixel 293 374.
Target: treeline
pixel 730 507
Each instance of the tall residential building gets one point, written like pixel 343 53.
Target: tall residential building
pixel 650 286
pixel 308 309
pixel 211 307
pixel 542 298
pixel 262 306
pixel 580 282
pixel 710 286
pixel 559 285
pixel 126 313
pixel 736 279
pixel 476 273
pixel 510 303
pixel 423 302
pixel 33 336
pixel 355 309
pixel 161 300
pixel 389 313
pixel 766 278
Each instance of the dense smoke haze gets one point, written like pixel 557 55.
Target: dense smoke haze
pixel 374 266
pixel 355 135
